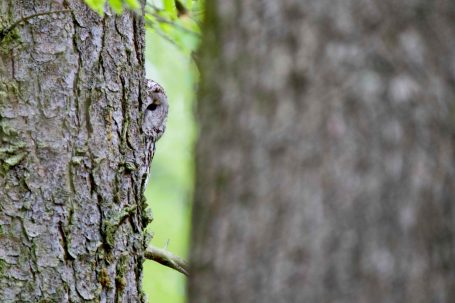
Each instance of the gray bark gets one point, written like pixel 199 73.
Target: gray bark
pixel 326 164
pixel 72 152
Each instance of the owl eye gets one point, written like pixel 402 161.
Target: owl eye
pixel 152 106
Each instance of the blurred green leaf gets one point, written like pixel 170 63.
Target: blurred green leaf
pixel 182 32
pixel 117 5
pixel 179 27
pixel 96 5
pixel 189 4
pixel 133 4
pixel 169 7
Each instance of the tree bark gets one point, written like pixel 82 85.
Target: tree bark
pixel 72 154
pixel 326 160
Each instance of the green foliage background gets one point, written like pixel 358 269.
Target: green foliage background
pixel 170 188
pixel 172 35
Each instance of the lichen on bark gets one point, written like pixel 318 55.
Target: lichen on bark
pixel 71 202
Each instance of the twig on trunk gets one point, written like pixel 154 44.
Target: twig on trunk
pixel 166 258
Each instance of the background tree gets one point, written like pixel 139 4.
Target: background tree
pixel 326 158
pixel 72 213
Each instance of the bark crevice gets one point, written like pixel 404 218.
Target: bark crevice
pixel 71 221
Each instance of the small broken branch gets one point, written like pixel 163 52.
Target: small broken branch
pixel 166 258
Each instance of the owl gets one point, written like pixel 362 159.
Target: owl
pixel 155 113
pixel 155 109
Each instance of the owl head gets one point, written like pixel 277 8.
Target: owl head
pixel 155 110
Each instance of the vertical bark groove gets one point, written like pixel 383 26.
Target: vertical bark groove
pixel 71 207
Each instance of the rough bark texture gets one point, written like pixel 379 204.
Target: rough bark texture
pixel 71 207
pixel 326 159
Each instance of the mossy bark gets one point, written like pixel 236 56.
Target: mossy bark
pixel 326 164
pixel 71 207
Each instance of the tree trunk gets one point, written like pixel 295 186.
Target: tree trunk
pixel 326 164
pixel 72 154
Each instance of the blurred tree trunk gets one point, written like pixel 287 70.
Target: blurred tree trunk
pixel 326 159
pixel 71 210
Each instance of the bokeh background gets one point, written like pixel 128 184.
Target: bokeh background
pixel 169 192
